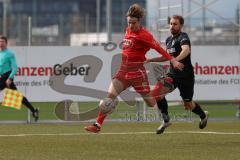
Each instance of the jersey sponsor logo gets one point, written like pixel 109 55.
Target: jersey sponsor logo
pixel 171 50
pixel 127 43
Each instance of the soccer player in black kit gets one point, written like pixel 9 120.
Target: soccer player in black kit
pixel 179 46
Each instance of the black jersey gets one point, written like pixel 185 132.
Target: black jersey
pixel 174 48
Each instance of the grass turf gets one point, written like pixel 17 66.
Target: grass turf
pixel 137 141
pixel 123 111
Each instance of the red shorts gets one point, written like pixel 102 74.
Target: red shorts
pixel 137 79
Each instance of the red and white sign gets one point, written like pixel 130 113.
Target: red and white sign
pixel 217 72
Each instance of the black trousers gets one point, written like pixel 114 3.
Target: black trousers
pixel 3 79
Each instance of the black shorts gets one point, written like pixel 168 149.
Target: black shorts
pixel 185 86
pixel 3 79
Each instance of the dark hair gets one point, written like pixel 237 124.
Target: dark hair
pixel 136 11
pixel 4 38
pixel 180 18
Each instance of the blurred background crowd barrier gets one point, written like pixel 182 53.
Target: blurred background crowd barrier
pixel 95 22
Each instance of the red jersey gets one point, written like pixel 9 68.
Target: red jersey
pixel 135 47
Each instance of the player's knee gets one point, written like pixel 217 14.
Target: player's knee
pixel 107 105
pixel 149 99
pixel 150 103
pixel 168 83
pixel 188 105
pixel 163 86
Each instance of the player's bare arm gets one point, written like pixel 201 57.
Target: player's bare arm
pixel 176 64
pixel 184 53
pixel 157 59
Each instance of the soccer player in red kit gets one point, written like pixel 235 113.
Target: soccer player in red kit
pixel 136 43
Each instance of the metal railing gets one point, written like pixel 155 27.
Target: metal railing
pixel 63 31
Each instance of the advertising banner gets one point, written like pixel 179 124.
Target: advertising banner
pixel 48 74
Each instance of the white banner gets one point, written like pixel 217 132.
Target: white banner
pixel 84 73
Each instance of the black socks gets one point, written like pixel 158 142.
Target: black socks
pixel 198 110
pixel 163 107
pixel 28 104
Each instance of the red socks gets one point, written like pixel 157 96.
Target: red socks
pixel 100 118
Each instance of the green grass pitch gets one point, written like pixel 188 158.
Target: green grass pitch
pixel 120 141
pixel 220 110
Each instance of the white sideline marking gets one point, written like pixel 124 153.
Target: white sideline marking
pixel 123 133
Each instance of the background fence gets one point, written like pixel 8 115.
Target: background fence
pixel 57 22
